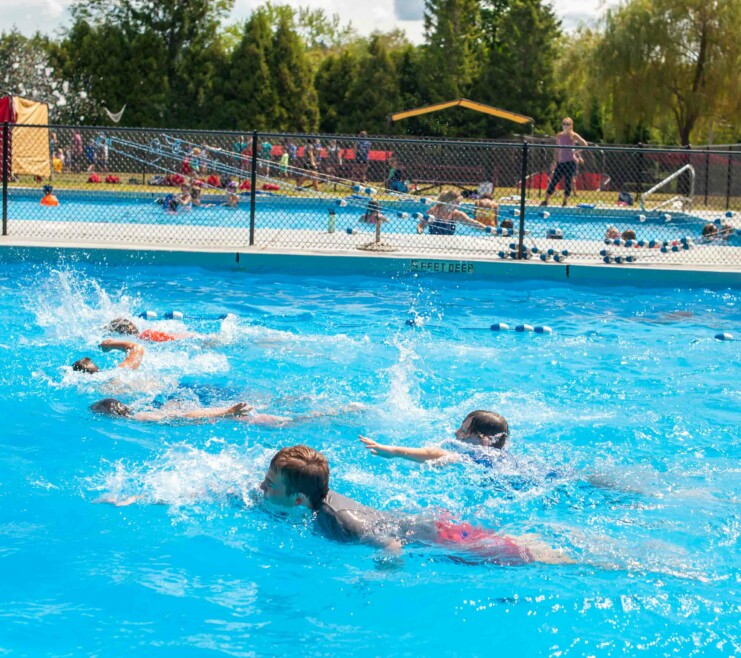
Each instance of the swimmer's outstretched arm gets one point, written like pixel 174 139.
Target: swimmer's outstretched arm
pixel 196 414
pixel 134 352
pixel 412 454
pixel 462 217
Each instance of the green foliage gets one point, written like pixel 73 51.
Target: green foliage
pixel 661 70
pixel 519 70
pixel 375 92
pixel 671 59
pixel 453 50
pixel 333 82
pixel 157 56
pixel 297 107
pixel 248 100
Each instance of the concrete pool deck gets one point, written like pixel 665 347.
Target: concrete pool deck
pixel 301 250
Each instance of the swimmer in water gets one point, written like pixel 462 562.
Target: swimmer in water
pixel 195 195
pixel 114 407
pixel 176 410
pixel 482 431
pixel 133 359
pixel 299 477
pixel 49 199
pixel 373 214
pixel 486 210
pixel 128 328
pixel 232 197
pixel 444 215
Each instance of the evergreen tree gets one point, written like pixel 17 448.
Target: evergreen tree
pixel 297 108
pixel 453 48
pixel 162 50
pixel 374 94
pixel 519 70
pixel 248 100
pixel 333 81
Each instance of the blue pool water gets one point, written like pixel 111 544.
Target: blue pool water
pixel 297 213
pixel 631 390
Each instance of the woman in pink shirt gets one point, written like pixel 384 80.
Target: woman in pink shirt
pixel 564 161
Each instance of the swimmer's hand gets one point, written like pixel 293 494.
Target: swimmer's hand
pixel 239 409
pixel 377 449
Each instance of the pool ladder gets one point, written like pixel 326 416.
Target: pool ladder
pixel 685 201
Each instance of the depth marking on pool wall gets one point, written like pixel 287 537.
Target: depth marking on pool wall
pixel 462 267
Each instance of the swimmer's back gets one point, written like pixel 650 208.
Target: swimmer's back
pixel 342 519
pixel 155 336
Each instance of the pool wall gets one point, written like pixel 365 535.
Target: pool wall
pixel 386 265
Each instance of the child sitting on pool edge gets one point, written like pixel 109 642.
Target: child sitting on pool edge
pixel 479 429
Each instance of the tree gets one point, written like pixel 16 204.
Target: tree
pixel 677 58
pixel 166 51
pixel 453 48
pixel 333 82
pixel 248 99
pixel 297 108
pixel 375 92
pixel 519 70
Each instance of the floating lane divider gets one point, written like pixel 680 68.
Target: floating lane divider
pixel 178 315
pixel 522 328
pixel 418 322
pixel 724 336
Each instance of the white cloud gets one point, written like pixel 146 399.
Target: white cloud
pixel 49 15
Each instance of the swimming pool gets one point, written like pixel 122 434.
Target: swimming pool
pixel 631 387
pixel 297 213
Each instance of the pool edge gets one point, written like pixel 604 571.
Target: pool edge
pixel 447 265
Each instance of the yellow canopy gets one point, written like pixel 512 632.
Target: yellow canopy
pixel 30 154
pixel 463 102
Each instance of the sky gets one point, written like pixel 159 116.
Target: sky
pixel 48 15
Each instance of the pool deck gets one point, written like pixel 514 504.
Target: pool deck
pixel 299 250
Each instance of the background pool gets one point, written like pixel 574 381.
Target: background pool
pixel 300 213
pixel 630 387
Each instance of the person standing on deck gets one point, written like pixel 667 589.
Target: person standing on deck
pixel 564 160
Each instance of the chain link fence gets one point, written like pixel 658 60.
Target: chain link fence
pixel 536 201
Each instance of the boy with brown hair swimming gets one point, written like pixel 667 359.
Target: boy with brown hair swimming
pixel 298 476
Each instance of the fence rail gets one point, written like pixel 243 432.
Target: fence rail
pixel 532 200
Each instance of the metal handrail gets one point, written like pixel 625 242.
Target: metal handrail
pixel 685 200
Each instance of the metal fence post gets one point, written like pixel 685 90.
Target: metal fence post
pixel 253 188
pixel 640 169
pixel 707 173
pixel 728 180
pixel 6 144
pixel 523 191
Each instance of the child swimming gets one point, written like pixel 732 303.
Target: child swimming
pixel 481 429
